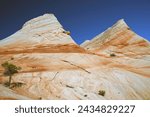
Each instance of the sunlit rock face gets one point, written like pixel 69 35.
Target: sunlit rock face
pixel 124 47
pixel 55 67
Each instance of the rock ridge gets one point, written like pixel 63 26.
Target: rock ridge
pixel 116 62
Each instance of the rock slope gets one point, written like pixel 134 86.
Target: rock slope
pixel 124 46
pixel 55 67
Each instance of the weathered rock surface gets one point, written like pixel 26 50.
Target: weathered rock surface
pixel 55 67
pixel 123 46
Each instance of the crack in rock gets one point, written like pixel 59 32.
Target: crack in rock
pixel 76 66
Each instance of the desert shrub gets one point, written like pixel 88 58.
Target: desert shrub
pixel 112 55
pixel 129 28
pixel 67 32
pixel 101 92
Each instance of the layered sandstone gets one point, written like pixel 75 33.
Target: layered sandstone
pixel 55 67
pixel 128 48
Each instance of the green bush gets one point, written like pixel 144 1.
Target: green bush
pixel 101 92
pixel 67 32
pixel 112 55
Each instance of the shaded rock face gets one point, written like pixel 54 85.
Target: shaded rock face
pixel 55 67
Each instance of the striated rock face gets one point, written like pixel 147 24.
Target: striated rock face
pixel 124 46
pixel 55 67
pixel 119 39
pixel 41 30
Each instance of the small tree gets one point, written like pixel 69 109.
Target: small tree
pixel 10 70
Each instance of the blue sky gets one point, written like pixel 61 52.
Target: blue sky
pixel 84 18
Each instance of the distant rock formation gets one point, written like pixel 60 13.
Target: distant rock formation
pixel 115 63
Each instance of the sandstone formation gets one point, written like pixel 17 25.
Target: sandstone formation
pixel 55 67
